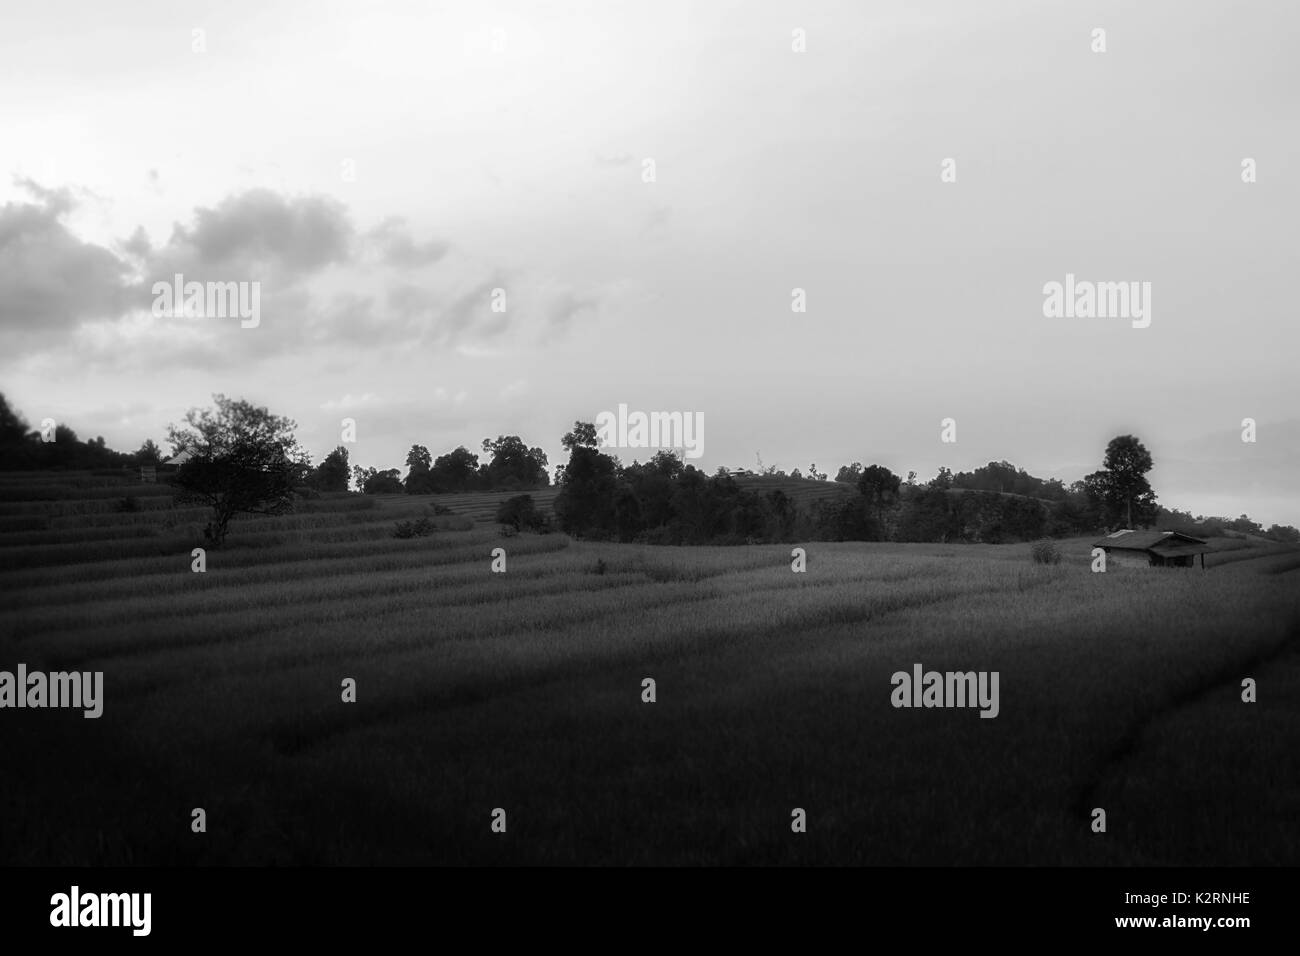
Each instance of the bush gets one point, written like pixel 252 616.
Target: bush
pixel 421 527
pixel 520 514
pixel 1045 552
pixel 129 504
pixel 442 510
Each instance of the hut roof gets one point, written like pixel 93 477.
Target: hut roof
pixel 1170 543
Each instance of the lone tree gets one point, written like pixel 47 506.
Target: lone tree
pixel 1121 486
pixel 244 460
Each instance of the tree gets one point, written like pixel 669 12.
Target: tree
pixel 520 513
pixel 879 486
pixel 513 464
pixel 456 471
pixel 13 428
pixel 19 446
pixel 850 473
pixel 148 454
pixel 372 481
pixel 332 473
pixel 583 436
pixel 1127 461
pixel 1283 532
pixel 419 477
pixel 1098 490
pixel 245 461
pixel 585 504
pixel 419 459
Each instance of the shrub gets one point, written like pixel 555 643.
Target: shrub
pixel 1045 552
pixel 129 504
pixel 442 510
pixel 520 514
pixel 421 527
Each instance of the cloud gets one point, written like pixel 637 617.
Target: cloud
pixel 399 250
pixel 256 234
pixel 138 245
pixel 51 281
pixel 564 308
pixel 322 285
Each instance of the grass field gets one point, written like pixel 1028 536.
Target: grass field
pixel 522 690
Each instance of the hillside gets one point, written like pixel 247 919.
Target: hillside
pixel 525 688
pixel 803 491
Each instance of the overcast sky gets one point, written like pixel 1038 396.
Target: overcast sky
pixel 380 168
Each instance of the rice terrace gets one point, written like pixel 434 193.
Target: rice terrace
pixel 523 690
pixel 676 437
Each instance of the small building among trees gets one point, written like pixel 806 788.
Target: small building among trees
pixel 178 459
pixel 1157 549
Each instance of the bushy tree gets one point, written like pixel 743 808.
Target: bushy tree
pixel 941 481
pixel 21 447
pixel 13 427
pixel 585 504
pixel 513 465
pixel 147 454
pixel 245 460
pixel 879 487
pixel 521 513
pixel 457 470
pixel 332 473
pixel 1126 463
pixel 419 475
pixel 372 481
pixel 583 435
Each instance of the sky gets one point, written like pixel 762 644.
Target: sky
pixel 472 219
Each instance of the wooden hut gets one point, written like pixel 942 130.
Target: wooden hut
pixel 1157 549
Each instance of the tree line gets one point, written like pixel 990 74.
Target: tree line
pixel 510 466
pixel 246 460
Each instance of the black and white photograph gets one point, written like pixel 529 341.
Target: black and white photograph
pixel 649 435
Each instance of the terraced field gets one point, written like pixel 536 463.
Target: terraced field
pixel 522 690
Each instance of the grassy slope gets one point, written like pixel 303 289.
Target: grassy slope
pixel 522 690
